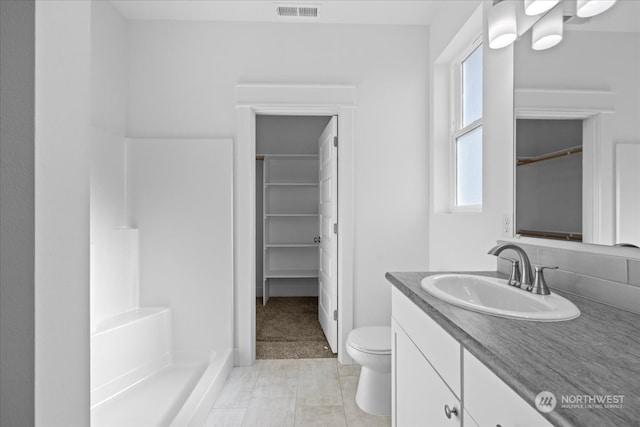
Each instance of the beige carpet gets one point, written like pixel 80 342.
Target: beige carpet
pixel 288 328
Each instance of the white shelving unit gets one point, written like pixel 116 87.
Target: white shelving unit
pixel 290 215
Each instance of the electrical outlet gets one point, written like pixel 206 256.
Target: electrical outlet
pixel 507 226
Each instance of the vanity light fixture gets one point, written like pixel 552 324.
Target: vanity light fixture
pixel 536 7
pixel 547 32
pixel 589 8
pixel 503 29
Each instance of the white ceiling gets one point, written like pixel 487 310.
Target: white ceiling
pixel 399 12
pixel 624 16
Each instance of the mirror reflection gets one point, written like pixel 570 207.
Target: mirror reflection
pixel 577 108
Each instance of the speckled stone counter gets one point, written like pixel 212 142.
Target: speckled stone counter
pixel 596 354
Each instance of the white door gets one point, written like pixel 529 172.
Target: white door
pixel 328 252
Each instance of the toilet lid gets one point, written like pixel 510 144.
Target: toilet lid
pixel 371 339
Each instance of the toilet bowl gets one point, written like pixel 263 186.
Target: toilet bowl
pixel 371 348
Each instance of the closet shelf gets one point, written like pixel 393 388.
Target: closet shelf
pixel 291 184
pixel 290 209
pixel 286 215
pixel 521 161
pixel 284 274
pixel 291 245
pixel 557 235
pixel 286 156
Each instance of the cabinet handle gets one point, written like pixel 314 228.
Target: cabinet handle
pixel 448 411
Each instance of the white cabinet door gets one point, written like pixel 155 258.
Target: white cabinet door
pixel 419 394
pixel 493 403
pixel 328 253
pixel 437 346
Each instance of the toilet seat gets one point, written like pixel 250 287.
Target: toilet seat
pixel 371 339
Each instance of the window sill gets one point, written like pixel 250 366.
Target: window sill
pixel 476 209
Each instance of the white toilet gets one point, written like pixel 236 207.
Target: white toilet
pixel 371 348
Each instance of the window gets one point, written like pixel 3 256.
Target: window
pixel 467 130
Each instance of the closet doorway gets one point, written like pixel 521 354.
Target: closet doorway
pixel 296 236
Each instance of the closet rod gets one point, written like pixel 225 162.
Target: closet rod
pixel 259 158
pixel 557 235
pixel 554 155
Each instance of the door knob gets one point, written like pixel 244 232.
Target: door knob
pixel 450 411
pixel 316 239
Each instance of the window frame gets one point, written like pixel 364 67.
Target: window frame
pixel 458 130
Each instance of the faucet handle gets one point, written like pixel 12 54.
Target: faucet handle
pixel 514 278
pixel 539 284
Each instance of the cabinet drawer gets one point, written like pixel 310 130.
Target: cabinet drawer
pixel 440 348
pixel 491 402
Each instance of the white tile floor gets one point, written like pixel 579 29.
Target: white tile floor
pixel 303 392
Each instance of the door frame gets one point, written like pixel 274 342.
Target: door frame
pixel 596 109
pixel 294 100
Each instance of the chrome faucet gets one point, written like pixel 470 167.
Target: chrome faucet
pixel 539 284
pixel 524 278
pixel 526 274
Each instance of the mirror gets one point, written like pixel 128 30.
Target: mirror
pixel 577 109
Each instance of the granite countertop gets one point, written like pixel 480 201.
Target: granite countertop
pixel 597 353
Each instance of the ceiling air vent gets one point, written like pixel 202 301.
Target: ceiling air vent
pixel 293 10
pixel 311 12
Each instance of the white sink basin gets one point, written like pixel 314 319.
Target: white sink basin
pixel 494 296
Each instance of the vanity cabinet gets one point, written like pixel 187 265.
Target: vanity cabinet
pixel 423 396
pixel 432 371
pixel 491 402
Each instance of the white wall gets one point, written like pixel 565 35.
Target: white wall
pixel 108 116
pixel 182 83
pixel 17 86
pixel 180 194
pixel 114 286
pixel 461 241
pixel 63 61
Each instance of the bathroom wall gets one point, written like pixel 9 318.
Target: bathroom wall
pixel 182 78
pixel 459 241
pixel 181 201
pixel 62 129
pixel 114 284
pixel 17 87
pixel 108 116
pixel 610 279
